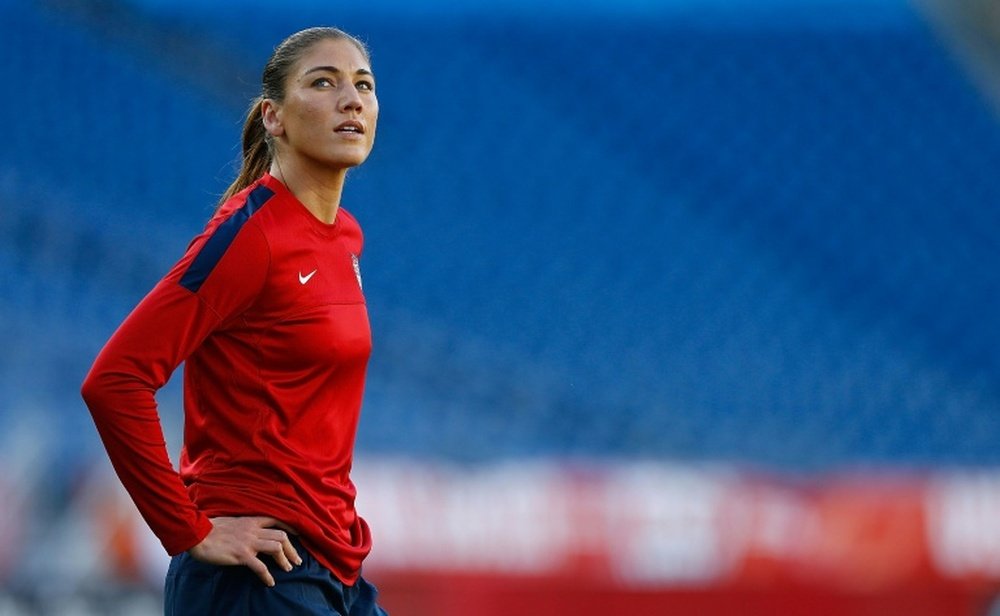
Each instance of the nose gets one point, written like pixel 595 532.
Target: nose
pixel 351 101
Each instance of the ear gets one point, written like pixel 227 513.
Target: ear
pixel 271 115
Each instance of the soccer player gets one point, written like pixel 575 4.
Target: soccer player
pixel 267 310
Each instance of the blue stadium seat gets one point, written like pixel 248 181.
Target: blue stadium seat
pixel 768 244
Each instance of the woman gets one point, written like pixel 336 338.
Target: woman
pixel 267 311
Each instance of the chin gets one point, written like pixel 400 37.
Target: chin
pixel 347 160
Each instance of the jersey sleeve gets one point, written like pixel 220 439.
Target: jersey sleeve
pixel 218 278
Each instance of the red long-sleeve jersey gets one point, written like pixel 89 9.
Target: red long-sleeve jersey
pixel 266 309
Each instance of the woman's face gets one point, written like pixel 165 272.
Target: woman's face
pixel 330 110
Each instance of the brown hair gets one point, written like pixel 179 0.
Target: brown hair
pixel 257 145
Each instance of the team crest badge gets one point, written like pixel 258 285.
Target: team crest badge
pixel 357 269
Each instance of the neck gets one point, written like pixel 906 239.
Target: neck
pixel 318 190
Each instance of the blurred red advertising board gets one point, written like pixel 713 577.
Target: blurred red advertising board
pixel 657 537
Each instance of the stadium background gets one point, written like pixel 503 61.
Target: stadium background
pixel 679 306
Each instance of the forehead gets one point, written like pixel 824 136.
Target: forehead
pixel 340 53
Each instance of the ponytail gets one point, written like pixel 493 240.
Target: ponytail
pixel 256 151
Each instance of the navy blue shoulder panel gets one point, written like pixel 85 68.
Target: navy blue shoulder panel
pixel 211 252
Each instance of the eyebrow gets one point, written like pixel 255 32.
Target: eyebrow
pixel 334 69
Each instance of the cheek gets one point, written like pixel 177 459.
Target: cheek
pixel 306 119
pixel 307 116
pixel 373 120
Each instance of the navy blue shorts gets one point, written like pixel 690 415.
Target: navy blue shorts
pixel 194 588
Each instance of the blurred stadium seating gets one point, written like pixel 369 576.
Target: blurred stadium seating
pixel 762 234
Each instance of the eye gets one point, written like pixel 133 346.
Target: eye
pixel 323 82
pixel 365 85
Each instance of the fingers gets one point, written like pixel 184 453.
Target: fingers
pixel 241 541
pixel 260 569
pixel 288 553
pixel 276 543
pixel 277 546
pixel 275 550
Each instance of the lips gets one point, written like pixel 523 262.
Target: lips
pixel 350 127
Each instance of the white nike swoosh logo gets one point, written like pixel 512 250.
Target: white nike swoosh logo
pixel 305 279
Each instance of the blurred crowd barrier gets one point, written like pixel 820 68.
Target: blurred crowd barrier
pixel 638 538
pixel 562 538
